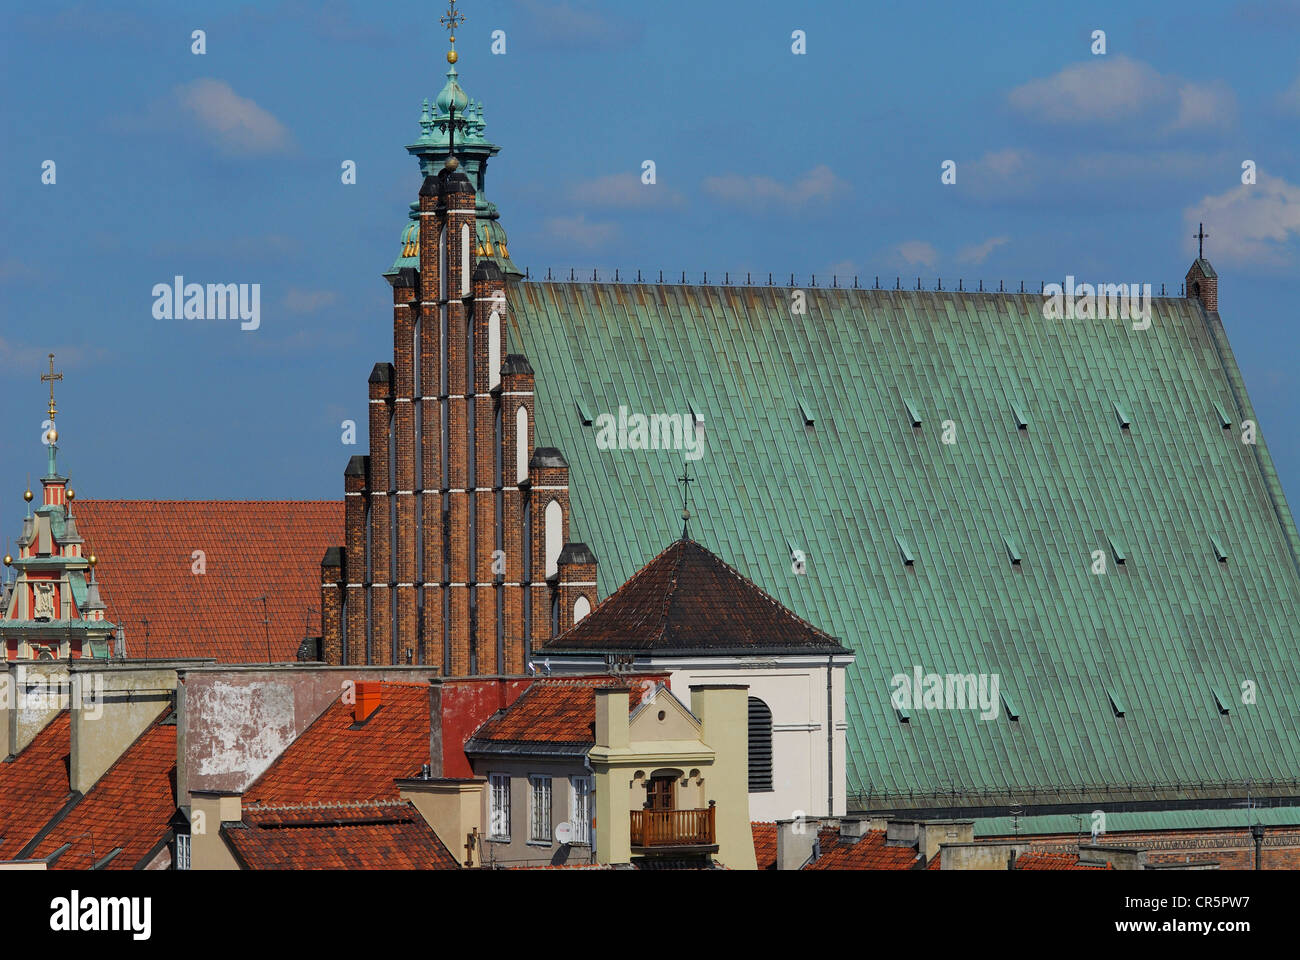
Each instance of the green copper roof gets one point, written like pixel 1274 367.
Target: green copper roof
pixel 1162 631
pixel 473 150
pixel 1124 821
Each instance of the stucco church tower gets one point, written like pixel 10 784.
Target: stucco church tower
pixel 456 548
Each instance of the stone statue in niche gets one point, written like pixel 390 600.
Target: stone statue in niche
pixel 45 600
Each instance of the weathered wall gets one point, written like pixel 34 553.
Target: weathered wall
pixel 30 695
pixel 234 721
pixel 978 856
pixel 113 703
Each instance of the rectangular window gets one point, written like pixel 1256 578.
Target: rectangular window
pixel 539 816
pixel 182 852
pixel 584 794
pixel 499 812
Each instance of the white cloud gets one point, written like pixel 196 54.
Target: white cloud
pixel 564 24
pixel 1102 88
pixel 818 186
pixel 916 252
pixel 21 357
pixel 580 232
pixel 1289 99
pixel 308 301
pixel 1117 88
pixel 979 252
pixel 1249 224
pixel 624 191
pixel 234 123
pixel 14 269
pixel 1004 163
pixel 1203 106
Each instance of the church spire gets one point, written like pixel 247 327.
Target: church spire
pixel 450 123
pixel 53 610
pixel 52 435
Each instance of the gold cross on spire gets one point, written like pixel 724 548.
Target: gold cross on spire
pixel 452 19
pixel 50 378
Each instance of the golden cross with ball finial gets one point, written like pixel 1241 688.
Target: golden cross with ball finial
pixel 50 378
pixel 452 19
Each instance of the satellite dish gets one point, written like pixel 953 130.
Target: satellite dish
pixel 563 832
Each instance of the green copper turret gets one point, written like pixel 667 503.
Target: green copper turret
pixel 473 151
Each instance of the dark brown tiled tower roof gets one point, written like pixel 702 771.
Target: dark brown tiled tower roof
pixel 687 600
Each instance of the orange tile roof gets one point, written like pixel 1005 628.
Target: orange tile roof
pixel 34 786
pixel 935 864
pixel 130 807
pixel 1034 860
pixel 563 866
pixel 352 836
pixel 251 547
pixel 868 853
pixel 331 762
pixel 764 844
pixel 559 710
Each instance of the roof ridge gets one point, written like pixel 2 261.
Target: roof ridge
pixel 325 805
pixel 630 580
pixel 89 500
pixel 672 583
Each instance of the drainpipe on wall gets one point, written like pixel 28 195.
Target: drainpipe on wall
pixel 1257 831
pixel 830 738
pixel 591 827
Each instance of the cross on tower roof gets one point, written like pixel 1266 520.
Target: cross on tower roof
pixel 686 480
pixel 1200 236
pixel 452 19
pixel 50 378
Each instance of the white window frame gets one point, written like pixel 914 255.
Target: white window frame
pixel 499 806
pixel 582 793
pixel 541 794
pixel 182 852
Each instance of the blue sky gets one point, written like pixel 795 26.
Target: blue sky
pixel 225 168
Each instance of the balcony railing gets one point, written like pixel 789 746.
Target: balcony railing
pixel 674 828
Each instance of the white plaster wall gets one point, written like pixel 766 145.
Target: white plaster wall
pixel 797 698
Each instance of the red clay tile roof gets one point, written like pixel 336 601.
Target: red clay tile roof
pixel 764 844
pixel 1034 860
pixel 130 807
pixel 332 763
pixel 34 786
pixel 558 710
pixel 935 863
pixel 686 600
pixel 869 853
pixel 251 547
pixel 353 836
pixel 564 866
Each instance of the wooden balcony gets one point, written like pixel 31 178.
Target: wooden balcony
pixel 674 831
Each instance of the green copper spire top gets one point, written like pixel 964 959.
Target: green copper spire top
pixel 472 150
pixel 452 95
